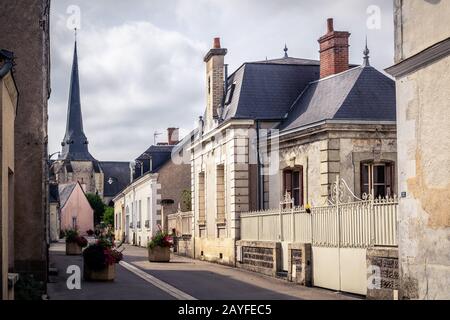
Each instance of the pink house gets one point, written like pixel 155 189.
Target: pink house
pixel 76 212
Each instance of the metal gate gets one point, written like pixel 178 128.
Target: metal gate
pixel 340 233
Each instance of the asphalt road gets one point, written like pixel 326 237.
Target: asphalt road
pixel 182 278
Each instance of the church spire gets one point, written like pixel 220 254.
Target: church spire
pixel 75 144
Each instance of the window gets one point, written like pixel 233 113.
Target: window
pixel 201 197
pixel 378 177
pixel 293 183
pixel 74 222
pixel 220 193
pixel 230 92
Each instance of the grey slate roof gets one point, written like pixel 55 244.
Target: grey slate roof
pixel 8 62
pixel 75 143
pixel 160 154
pixel 266 90
pixel 361 93
pixel 117 175
pixel 65 190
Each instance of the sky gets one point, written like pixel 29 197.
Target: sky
pixel 141 61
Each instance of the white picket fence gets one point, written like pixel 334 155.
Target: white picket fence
pixel 357 224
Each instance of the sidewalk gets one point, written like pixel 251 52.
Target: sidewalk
pixel 126 286
pixel 210 281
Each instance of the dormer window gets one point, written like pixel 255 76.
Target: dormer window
pixel 230 92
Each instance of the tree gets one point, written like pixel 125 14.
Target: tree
pixel 97 204
pixel 108 216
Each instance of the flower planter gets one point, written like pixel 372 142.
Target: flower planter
pixel 73 249
pixel 107 274
pixel 159 254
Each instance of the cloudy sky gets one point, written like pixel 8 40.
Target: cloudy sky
pixel 141 61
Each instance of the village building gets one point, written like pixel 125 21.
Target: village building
pixel 422 57
pixel 75 163
pixel 141 209
pixel 8 109
pixel 75 211
pixel 287 125
pixel 24 29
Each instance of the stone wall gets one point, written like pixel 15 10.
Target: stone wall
pixel 25 31
pixel 259 256
pixel 300 263
pixel 383 273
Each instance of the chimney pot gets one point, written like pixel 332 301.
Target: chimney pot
pixel 330 25
pixel 216 43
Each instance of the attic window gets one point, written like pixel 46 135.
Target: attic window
pixel 230 92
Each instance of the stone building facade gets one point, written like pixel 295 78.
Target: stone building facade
pixel 24 29
pixel 8 110
pixel 422 71
pixel 141 209
pixel 287 125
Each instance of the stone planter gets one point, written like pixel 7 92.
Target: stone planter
pixel 159 254
pixel 73 249
pixel 107 274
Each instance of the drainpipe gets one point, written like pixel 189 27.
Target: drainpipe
pixel 259 185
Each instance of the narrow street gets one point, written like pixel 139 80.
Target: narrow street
pixel 182 278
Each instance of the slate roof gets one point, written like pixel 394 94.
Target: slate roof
pixel 117 176
pixel 160 154
pixel 65 190
pixel 8 62
pixel 361 93
pixel 265 90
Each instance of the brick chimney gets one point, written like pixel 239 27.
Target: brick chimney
pixel 214 61
pixel 173 136
pixel 333 51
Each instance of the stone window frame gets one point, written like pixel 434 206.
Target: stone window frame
pixel 301 169
pixel 220 220
pixel 364 157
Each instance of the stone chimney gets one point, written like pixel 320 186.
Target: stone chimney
pixel 214 61
pixel 333 51
pixel 173 136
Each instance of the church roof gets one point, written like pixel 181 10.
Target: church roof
pixel 117 175
pixel 75 143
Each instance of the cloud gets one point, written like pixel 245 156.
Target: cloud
pixel 141 66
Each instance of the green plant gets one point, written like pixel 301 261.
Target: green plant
pixel 161 239
pixel 186 200
pixel 97 204
pixel 108 216
pixel 28 288
pixel 72 236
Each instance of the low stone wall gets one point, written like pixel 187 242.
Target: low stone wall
pixel 259 256
pixel 382 273
pixel 300 263
pixel 183 246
